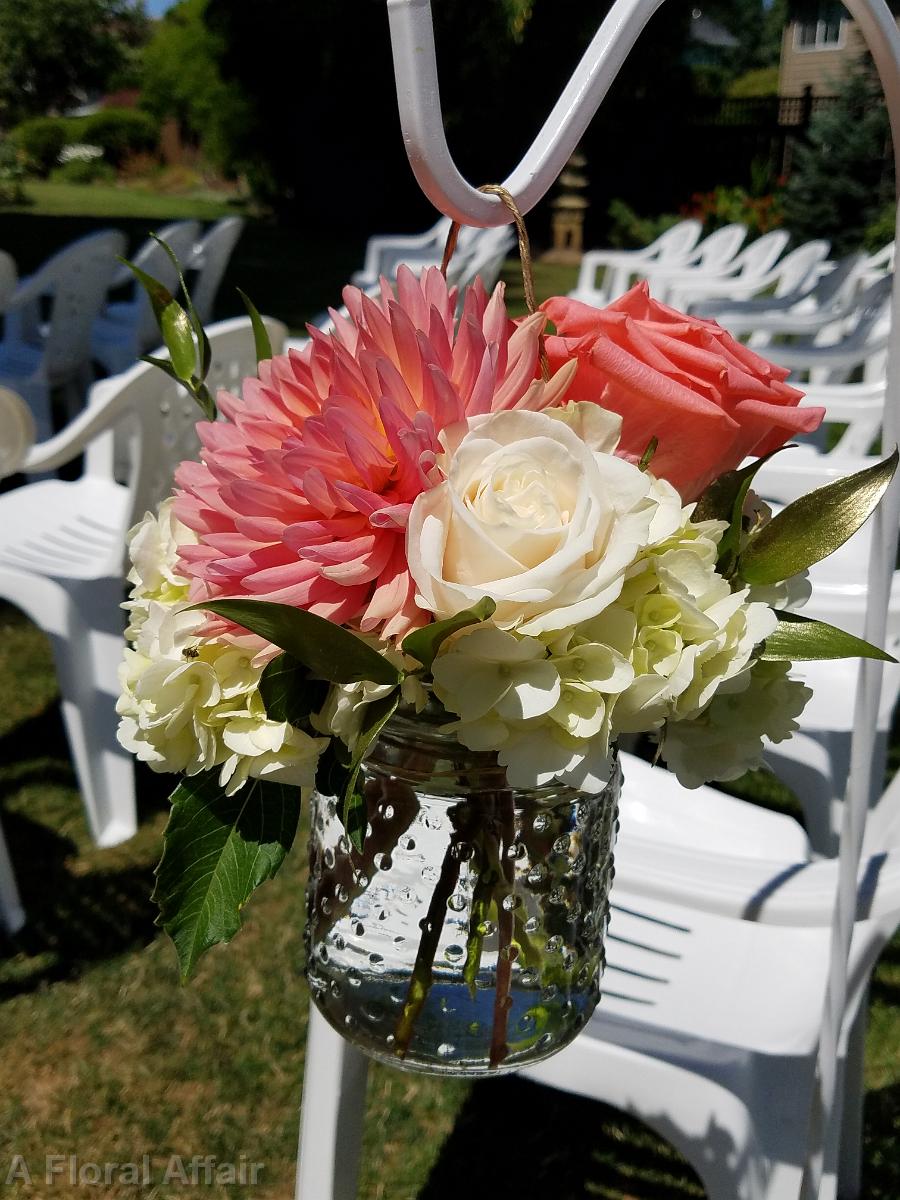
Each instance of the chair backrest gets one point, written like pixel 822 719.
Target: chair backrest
pixel 485 257
pixel 717 250
pixel 180 236
pixel 210 259
pixel 761 255
pixel 798 268
pixel 158 415
pixel 76 279
pixel 9 277
pixel 674 243
pixel 838 284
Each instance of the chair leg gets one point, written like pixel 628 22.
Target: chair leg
pixel 849 1166
pixel 12 915
pixel 87 659
pixel 331 1115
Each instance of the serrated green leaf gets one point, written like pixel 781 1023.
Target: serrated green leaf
pixel 423 644
pixel 288 692
pixel 327 650
pixel 800 639
pixel 815 526
pixel 217 850
pixel 260 333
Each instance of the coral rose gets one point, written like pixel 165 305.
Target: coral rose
pixel 708 399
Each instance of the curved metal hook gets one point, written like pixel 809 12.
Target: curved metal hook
pixel 421 119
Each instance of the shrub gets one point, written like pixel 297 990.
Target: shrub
pixel 81 170
pixel 630 231
pixel 727 205
pixel 120 132
pixel 40 140
pixel 881 230
pixel 12 175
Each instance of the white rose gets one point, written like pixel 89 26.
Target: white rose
pixel 535 512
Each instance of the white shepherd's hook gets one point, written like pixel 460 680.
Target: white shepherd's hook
pixel 421 119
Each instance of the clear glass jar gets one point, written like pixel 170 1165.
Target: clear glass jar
pixel 466 937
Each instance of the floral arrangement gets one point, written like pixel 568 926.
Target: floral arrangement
pixel 550 535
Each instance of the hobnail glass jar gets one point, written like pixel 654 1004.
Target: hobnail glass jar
pixel 466 937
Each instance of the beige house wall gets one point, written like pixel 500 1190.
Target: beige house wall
pixel 822 70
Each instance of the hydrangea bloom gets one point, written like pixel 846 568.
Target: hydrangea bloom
pixel 191 703
pixel 304 491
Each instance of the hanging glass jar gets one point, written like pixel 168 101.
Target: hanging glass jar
pixel 466 937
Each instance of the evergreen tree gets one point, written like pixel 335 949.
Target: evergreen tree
pixel 841 176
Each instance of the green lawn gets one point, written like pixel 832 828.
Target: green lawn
pixel 107 200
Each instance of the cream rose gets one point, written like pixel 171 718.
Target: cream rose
pixel 535 512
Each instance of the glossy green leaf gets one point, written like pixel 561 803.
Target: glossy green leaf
pixel 178 337
pixel 423 644
pixel 353 804
pixel 288 692
pixel 196 323
pixel 327 650
pixel 724 500
pixel 815 526
pixel 260 333
pixel 217 850
pixel 647 456
pixel 337 772
pixel 799 639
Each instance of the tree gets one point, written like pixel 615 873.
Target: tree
pixel 181 78
pixel 840 178
pixel 55 52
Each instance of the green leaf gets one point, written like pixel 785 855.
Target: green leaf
pixel 260 333
pixel 815 526
pixel 179 340
pixel 423 644
pixel 217 850
pixel 353 804
pixel 647 456
pixel 288 692
pixel 724 500
pixel 337 773
pixel 196 323
pixel 800 638
pixel 328 650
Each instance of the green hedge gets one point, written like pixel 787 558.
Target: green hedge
pixel 119 132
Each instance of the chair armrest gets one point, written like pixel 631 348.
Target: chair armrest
pixel 770 892
pixel 106 403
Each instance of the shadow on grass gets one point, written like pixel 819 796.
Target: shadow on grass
pixel 79 910
pixel 577 1148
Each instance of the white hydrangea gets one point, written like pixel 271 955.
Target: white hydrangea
pixel 343 712
pixel 727 739
pixel 190 704
pixel 551 706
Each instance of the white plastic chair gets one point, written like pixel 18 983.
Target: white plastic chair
pixel 210 259
pixel 9 277
pixel 12 915
pixel 716 962
pixel 62 547
pixel 752 271
pixel 862 341
pixel 127 328
pixel 483 254
pixel 386 252
pixel 805 308
pixel 38 356
pixel 674 245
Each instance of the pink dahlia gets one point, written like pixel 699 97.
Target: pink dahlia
pixel 303 491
